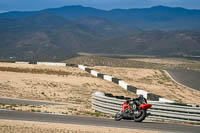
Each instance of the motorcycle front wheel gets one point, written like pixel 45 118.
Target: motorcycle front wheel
pixel 118 116
pixel 140 116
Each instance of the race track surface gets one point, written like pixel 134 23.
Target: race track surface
pixel 26 102
pixel 80 120
pixel 189 78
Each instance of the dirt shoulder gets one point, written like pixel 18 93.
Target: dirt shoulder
pixel 7 126
pixel 155 81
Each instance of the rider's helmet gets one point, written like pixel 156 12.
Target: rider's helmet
pixel 141 99
pixel 127 101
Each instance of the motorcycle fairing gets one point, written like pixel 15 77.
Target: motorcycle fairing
pixel 145 106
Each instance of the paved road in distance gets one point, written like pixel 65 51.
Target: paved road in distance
pixel 67 119
pixel 190 78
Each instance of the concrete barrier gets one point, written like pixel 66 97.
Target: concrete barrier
pixel 165 100
pixel 142 92
pixel 123 84
pixel 107 77
pixel 94 73
pixel 82 67
pixel 51 64
pixel 22 62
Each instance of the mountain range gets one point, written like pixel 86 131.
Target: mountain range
pixel 59 33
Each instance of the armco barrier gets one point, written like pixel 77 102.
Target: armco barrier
pixel 159 110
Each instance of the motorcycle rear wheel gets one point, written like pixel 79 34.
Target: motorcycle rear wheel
pixel 118 116
pixel 140 116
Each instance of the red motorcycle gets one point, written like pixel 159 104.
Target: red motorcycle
pixel 135 109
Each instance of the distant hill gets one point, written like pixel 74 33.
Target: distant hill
pixel 46 36
pixel 59 33
pixel 158 43
pixel 158 17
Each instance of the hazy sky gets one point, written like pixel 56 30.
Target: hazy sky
pixel 24 5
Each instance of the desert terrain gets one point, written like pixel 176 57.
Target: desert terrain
pixel 67 85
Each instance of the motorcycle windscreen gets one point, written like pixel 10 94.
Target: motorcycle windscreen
pixel 145 106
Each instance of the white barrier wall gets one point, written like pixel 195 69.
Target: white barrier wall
pixel 94 73
pixel 82 67
pixel 123 84
pixel 51 64
pixel 165 100
pixel 107 77
pixel 22 62
pixel 142 92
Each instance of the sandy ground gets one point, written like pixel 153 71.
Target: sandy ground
pixel 74 88
pixel 7 126
pixel 155 81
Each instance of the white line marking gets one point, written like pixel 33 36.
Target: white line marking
pixel 175 80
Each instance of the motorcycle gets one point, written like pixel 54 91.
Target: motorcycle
pixel 135 109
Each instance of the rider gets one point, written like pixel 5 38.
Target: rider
pixel 126 105
pixel 138 101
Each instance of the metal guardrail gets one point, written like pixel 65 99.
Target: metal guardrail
pixel 159 110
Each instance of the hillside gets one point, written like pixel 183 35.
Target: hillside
pixel 49 37
pixel 158 17
pixel 159 43
pixel 60 33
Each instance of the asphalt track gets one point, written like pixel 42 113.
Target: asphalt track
pixel 189 78
pixel 27 102
pixel 24 102
pixel 67 119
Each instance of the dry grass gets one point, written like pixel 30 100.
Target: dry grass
pixel 155 81
pixel 41 69
pixel 7 126
pixel 149 63
pixel 171 61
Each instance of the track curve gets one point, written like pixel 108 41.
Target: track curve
pixel 187 78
